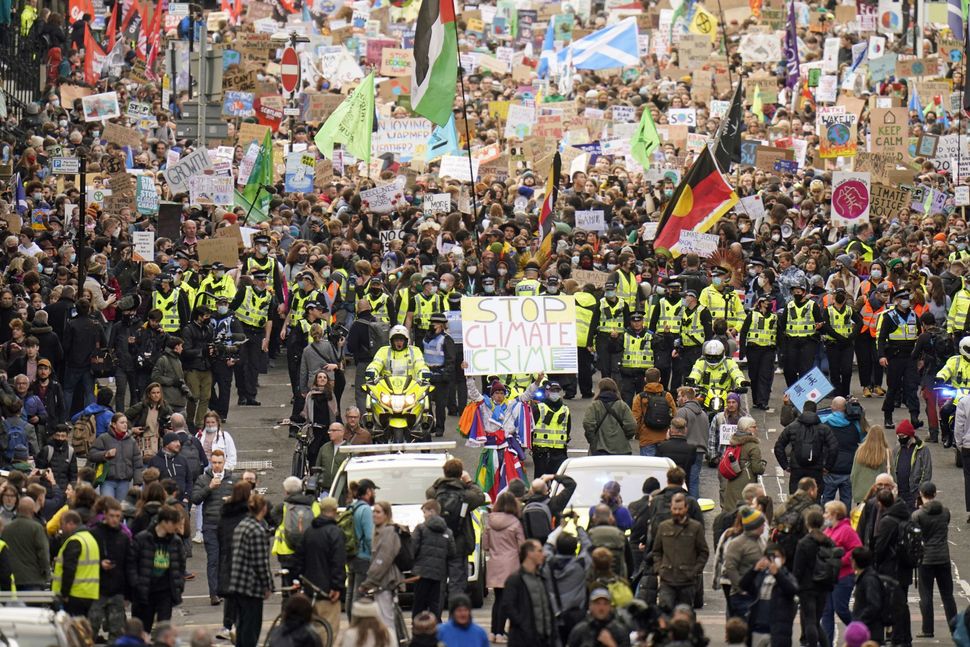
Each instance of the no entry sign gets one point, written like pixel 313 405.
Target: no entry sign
pixel 290 70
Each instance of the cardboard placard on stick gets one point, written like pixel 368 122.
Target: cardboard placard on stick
pixel 121 135
pixel 219 250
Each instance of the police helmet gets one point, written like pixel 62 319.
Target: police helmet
pixel 713 352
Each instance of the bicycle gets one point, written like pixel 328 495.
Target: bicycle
pixel 300 466
pixel 317 624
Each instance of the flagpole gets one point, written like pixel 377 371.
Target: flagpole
pixel 727 54
pixel 468 137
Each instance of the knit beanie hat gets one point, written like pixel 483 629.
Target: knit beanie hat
pixel 856 634
pixel 751 518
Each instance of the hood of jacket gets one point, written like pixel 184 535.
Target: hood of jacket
pixel 836 419
pixel 743 438
pixel 501 520
pixel 653 387
pixel 450 483
pixel 808 418
pixel 899 510
pixel 437 524
pixel 236 508
pixel 40 330
pixel 300 498
pixel 933 508
pixel 322 520
pixel 607 397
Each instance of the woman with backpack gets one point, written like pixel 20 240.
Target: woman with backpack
pixel 741 463
pixel 121 455
pixel 501 540
pixel 871 460
pixel 815 582
pixel 609 423
pixel 383 575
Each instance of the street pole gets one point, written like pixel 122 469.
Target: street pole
pixel 191 47
pixel 292 126
pixel 203 91
pixel 79 237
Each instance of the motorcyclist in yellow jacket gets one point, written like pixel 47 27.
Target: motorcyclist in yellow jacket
pixel 715 372
pixel 399 358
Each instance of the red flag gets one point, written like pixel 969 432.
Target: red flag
pixel 701 199
pixel 112 26
pixel 153 38
pixel 93 59
pixel 288 6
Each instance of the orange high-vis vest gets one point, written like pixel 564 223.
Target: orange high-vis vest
pixel 870 319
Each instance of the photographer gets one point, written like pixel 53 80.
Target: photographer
pixel 197 362
pixel 228 337
pixel 168 372
pixel 150 342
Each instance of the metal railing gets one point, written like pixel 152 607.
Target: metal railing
pixel 21 75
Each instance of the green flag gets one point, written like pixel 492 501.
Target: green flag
pixel 262 174
pixel 645 139
pixel 350 124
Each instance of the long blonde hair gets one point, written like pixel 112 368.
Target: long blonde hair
pixel 872 451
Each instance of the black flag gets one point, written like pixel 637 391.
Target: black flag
pixel 728 147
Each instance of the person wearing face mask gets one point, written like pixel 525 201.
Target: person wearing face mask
pixel 758 341
pixel 877 277
pixel 613 317
pixel 696 327
pixel 439 355
pixel 197 362
pixel 471 281
pixel 798 326
pixel 58 456
pixel 898 329
pixel 958 318
pixel 666 322
pixel 550 433
pixel 228 334
pixel 755 267
pixel 858 245
pixel 172 303
pixel 253 305
pixel 423 305
pixel 217 283
pixel 870 371
pixel 722 300
pixel 625 278
pixel 379 301
pixel 840 325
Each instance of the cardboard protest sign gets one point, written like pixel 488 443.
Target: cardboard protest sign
pixel 878 165
pixel 144 246
pixel 405 138
pixel 437 203
pixel 98 107
pixel 249 132
pixel 760 48
pixel 218 250
pixel 591 220
pixel 71 93
pixel 121 135
pixel 396 62
pixel 890 131
pixel 210 189
pixel 387 236
pixel 520 121
pixel 888 201
pixel 519 335
pixel 704 245
pixel 766 156
pixel 236 103
pixel 194 163
pixel 386 198
pixel 598 279
pixel 850 198
pixel 916 67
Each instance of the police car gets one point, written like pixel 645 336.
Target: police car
pixel 403 474
pixel 591 473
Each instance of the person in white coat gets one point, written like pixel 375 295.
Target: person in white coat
pixel 961 440
pixel 213 436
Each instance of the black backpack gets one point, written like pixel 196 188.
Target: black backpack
pixel 828 563
pixel 807 448
pixel 405 556
pixel 453 509
pixel 789 527
pixel 889 586
pixel 656 413
pixel 909 544
pixel 537 521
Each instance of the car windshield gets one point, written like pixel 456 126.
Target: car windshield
pixel 590 482
pixel 399 485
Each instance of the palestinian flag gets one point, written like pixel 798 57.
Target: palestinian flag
pixel 701 199
pixel 435 61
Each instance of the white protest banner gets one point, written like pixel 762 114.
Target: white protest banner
pixel 195 163
pixel 830 55
pixel 760 48
pixel 753 206
pixel 300 170
pixel 98 107
pixel 961 196
pixel 626 114
pixel 246 164
pixel 719 108
pixel 210 189
pixel 850 198
pixel 519 335
pixel 682 117
pixel 456 167
pixel 704 245
pixel 146 196
pixel 144 246
pixel 520 121
pixel 386 198
pixel 405 138
pixel 437 203
pixel 591 220
pixel 386 236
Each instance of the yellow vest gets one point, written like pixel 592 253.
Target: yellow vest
pixel 956 372
pixel 670 317
pixel 956 318
pixel 637 352
pixel 551 427
pixel 378 307
pixel 691 330
pixel 223 287
pixel 88 574
pixel 254 309
pixel 527 288
pixel 585 305
pixel 841 322
pixel 906 329
pixel 170 310
pixel 298 304
pixel 403 307
pixel 626 289
pixel 800 322
pixel 424 307
pixel 267 265
pixel 762 330
pixel 280 547
pixel 611 317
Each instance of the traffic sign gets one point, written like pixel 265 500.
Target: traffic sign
pixel 290 70
pixel 65 165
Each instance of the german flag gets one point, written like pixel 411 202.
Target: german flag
pixel 701 199
pixel 545 212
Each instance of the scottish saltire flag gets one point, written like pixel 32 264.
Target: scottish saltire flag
pixel 547 59
pixel 20 195
pixel 955 18
pixel 610 47
pixel 914 104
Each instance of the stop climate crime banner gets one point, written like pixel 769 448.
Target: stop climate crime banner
pixel 519 335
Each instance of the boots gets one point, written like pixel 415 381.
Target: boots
pixel 888 421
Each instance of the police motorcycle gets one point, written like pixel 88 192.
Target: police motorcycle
pixel 949 395
pixel 715 395
pixel 399 409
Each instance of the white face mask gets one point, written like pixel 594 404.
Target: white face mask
pixel 211 430
pixel 223 310
pixel 502 271
pixel 876 273
pixel 263 249
pixel 554 396
pixel 472 270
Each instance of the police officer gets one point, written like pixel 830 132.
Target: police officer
pixel 172 303
pixel 530 285
pixel 77 571
pixel 260 261
pixel 798 326
pixel 958 317
pixel 424 304
pixel 609 337
pixel 227 334
pixel 458 390
pixel 379 300
pixel 252 305
pixel 722 299
pixel 297 338
pixel 637 358
pixel 587 316
pixel 439 355
pixel 956 373
pixel 403 301
pixel 342 289
pixel 625 278
pixel 197 363
pixel 696 327
pixel 758 339
pixel 552 286
pixel 898 329
pixel 840 325
pixel 215 284
pixel 304 291
pixel 550 433
pixel 398 358
pixel 665 323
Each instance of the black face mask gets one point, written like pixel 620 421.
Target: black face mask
pixel 59 444
pixel 840 298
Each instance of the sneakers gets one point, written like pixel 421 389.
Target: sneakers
pixel 197 537
pixel 224 634
pixel 215 600
pixel 867 392
pixel 879 391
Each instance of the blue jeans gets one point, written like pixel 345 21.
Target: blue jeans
pixel 694 477
pixel 837 486
pixel 75 378
pixel 648 450
pixel 116 489
pixel 210 538
pixel 739 604
pixel 838 603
